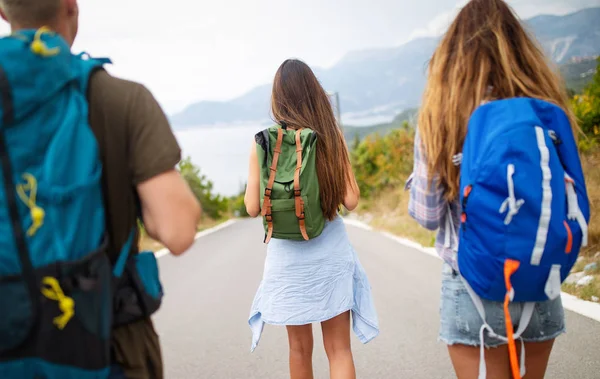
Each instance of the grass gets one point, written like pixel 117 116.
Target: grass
pixel 147 243
pixel 592 289
pixel 591 167
pixel 591 164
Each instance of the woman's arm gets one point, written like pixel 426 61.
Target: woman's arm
pixel 352 190
pixel 427 204
pixel 252 197
pixel 352 193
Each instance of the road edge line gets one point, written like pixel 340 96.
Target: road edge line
pixel 163 252
pixel 570 302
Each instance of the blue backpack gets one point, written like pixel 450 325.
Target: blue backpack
pixel 56 281
pixel 525 207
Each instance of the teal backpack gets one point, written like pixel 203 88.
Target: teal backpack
pixel 289 186
pixel 56 281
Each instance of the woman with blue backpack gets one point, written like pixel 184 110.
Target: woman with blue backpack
pixel 497 171
pixel 299 176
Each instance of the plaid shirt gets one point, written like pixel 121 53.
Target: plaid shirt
pixel 429 208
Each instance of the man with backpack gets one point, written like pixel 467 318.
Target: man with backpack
pixel 83 156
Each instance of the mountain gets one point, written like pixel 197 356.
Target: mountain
pixel 253 106
pixel 379 83
pixel 565 37
pixel 359 132
pixel 579 73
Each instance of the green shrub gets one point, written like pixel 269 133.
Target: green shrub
pixel 381 162
pixel 214 206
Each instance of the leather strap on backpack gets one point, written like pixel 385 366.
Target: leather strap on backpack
pixel 297 190
pixel 267 205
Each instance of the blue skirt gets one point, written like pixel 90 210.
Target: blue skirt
pixel 306 282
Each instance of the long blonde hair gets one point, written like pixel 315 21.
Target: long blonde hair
pixel 486 54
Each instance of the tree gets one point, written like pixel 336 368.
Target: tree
pixel 355 142
pixel 237 205
pixel 381 162
pixel 212 205
pixel 587 109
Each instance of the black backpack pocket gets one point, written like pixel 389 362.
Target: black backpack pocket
pixel 70 327
pixel 16 313
pixel 138 292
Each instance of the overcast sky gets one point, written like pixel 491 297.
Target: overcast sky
pixel 190 50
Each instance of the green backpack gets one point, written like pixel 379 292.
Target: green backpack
pixel 289 186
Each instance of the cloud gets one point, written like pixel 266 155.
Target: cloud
pixel 439 24
pixel 524 8
pixel 185 51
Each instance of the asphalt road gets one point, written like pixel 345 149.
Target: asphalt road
pixel 204 330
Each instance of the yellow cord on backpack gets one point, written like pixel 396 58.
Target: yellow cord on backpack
pixel 65 303
pixel 39 47
pixel 37 213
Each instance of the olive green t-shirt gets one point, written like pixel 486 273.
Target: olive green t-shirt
pixel 136 143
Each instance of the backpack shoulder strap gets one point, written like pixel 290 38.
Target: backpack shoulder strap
pixel 560 131
pixel 88 73
pixel 262 139
pixel 266 208
pixel 297 190
pixel 6 99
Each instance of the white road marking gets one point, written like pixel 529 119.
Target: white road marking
pixel 161 253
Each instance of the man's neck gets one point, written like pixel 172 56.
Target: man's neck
pixel 62 31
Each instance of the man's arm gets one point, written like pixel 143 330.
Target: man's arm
pixel 169 208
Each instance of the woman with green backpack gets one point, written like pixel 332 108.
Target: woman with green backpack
pixel 300 175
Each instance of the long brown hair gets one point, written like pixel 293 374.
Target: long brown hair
pixel 300 101
pixel 486 54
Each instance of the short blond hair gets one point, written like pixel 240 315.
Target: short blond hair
pixel 30 12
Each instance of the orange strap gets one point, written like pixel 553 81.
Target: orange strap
pixel 266 208
pixel 510 267
pixel 569 247
pixel 297 191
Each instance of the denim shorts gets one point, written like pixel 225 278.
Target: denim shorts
pixel 460 322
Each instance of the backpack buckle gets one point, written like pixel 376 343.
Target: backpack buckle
pixel 297 192
pixel 302 216
pixel 268 192
pixel 269 217
pixel 554 137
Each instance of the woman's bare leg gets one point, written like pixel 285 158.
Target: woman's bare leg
pixel 336 338
pixel 537 357
pixel 466 360
pixel 301 349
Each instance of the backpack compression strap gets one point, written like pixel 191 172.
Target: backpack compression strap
pixel 266 208
pixel 297 190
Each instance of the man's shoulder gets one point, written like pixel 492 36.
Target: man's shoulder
pixel 117 99
pixel 102 82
